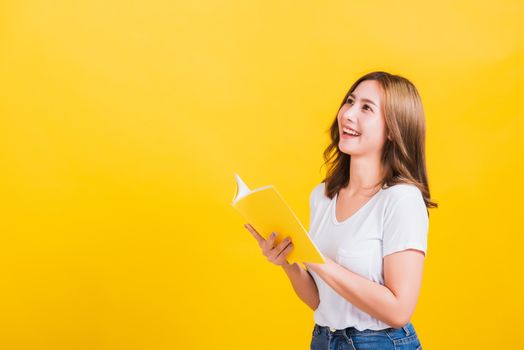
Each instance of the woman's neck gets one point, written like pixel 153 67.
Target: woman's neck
pixel 365 177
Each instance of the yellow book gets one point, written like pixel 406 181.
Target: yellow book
pixel 266 211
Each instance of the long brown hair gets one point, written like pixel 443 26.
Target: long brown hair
pixel 403 157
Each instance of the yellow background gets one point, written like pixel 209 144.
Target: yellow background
pixel 122 123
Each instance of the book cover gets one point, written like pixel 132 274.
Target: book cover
pixel 266 211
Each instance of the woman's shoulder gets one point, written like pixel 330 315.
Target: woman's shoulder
pixel 404 202
pixel 318 194
pixel 318 190
pixel 402 190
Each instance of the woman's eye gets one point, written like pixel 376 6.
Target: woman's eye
pixel 351 101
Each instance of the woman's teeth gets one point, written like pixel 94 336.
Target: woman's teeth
pixel 350 132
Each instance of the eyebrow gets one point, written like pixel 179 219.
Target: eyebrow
pixel 363 99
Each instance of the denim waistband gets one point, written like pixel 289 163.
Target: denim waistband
pixel 407 329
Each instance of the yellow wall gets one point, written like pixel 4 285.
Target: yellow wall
pixel 122 123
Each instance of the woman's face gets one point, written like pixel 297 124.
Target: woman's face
pixel 362 112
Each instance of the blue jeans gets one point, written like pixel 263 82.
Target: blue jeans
pixel 404 338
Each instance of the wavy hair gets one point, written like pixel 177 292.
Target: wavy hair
pixel 403 157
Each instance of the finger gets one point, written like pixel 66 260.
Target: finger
pixel 254 233
pixel 274 251
pixel 280 246
pixel 283 244
pixel 269 249
pixel 272 238
pixel 286 250
pixel 269 244
pixel 282 257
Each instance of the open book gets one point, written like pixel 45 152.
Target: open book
pixel 267 211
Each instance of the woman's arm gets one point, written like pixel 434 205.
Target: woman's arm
pixel 303 284
pixel 394 302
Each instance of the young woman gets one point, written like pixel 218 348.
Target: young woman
pixel 370 219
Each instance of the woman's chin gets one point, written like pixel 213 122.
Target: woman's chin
pixel 346 149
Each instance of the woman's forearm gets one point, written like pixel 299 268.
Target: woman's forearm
pixel 303 284
pixel 371 297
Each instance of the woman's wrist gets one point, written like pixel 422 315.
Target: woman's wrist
pixel 287 266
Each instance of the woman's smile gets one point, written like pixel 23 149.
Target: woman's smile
pixel 348 136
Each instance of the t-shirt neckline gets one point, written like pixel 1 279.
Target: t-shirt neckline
pixel 334 208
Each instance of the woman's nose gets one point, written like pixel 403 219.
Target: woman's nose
pixel 349 114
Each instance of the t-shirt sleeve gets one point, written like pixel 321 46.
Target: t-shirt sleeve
pixel 406 226
pixel 314 197
pixel 312 205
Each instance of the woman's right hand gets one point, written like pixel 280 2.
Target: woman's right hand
pixel 275 254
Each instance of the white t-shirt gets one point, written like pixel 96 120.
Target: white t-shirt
pixel 394 219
